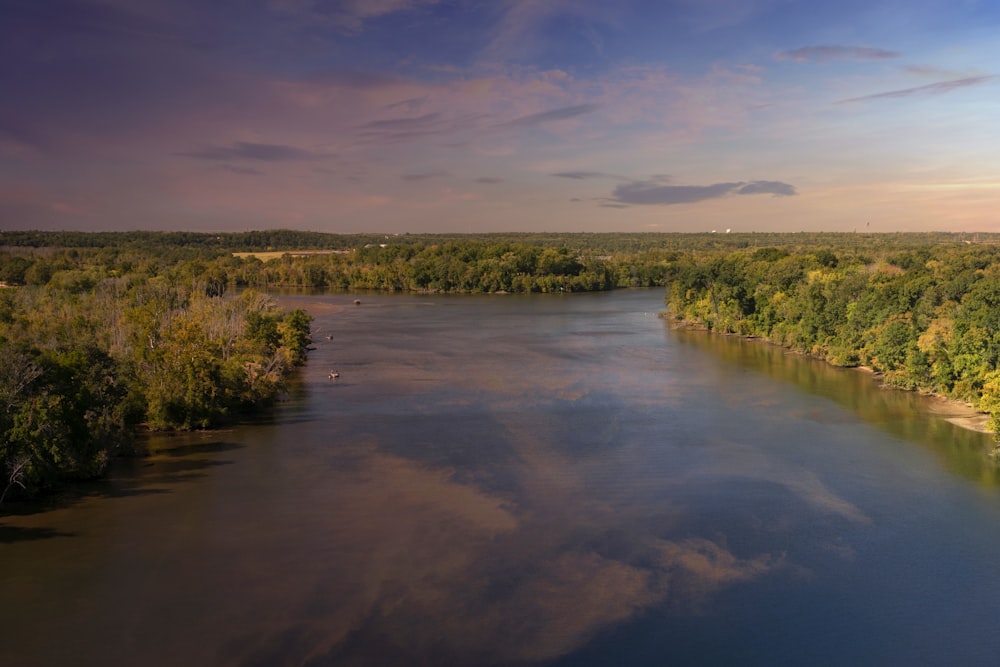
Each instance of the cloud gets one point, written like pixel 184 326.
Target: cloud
pixel 489 180
pixel 423 176
pixel 649 193
pixel 347 16
pixel 584 175
pixel 564 113
pixel 824 53
pixel 403 124
pixel 353 78
pixel 245 171
pixel 938 88
pixel 776 188
pixel 411 105
pixel 653 192
pixel 395 130
pixel 521 29
pixel 244 150
pixel 92 19
pixel 931 71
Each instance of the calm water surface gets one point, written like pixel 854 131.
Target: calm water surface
pixel 528 480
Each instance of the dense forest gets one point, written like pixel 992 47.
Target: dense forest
pixel 926 317
pixel 103 334
pixel 95 344
pixel 263 260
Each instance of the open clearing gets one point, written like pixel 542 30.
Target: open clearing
pixel 273 254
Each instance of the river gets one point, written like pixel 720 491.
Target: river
pixel 500 480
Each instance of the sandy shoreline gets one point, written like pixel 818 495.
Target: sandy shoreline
pixel 959 413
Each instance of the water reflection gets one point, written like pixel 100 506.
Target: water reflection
pixel 452 574
pixel 908 415
pixel 510 481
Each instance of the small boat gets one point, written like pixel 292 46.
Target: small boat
pixel 334 375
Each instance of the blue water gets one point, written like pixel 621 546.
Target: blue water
pixel 554 480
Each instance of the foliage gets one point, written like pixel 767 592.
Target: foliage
pixel 107 331
pixel 926 317
pixel 114 341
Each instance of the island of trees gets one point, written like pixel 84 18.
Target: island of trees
pixel 104 334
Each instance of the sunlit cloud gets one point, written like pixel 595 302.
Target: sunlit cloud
pixel 547 88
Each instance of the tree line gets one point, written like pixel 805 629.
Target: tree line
pixel 926 317
pixel 104 333
pixel 460 266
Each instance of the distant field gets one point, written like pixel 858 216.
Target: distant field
pixel 272 254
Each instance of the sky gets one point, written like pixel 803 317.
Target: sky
pixel 394 116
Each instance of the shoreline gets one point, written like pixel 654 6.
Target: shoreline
pixel 952 410
pixel 959 413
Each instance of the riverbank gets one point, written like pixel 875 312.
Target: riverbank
pixel 959 414
pixel 954 411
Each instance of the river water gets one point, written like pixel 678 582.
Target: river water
pixel 558 480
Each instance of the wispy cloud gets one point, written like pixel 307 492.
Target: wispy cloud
pixel 654 192
pixel 489 180
pixel 353 78
pixel 395 130
pixel 244 150
pixel 827 52
pixel 425 175
pixel 93 18
pixel 586 175
pixel 347 16
pixel 411 105
pixel 403 124
pixel 564 113
pixel 243 171
pixel 938 88
pixel 931 71
pixel 519 26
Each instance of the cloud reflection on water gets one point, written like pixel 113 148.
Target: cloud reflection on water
pixel 510 506
pixel 439 569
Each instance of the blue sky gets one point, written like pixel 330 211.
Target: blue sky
pixel 495 115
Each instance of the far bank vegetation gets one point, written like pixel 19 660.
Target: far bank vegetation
pixel 101 334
